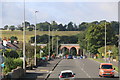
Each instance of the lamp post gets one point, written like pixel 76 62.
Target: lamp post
pixel 35 36
pixel 49 43
pixel 24 57
pixel 57 46
pixel 57 43
pixel 105 42
pixel 52 40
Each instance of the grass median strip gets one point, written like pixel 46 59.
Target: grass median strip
pixel 101 61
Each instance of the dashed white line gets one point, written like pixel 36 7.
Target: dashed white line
pixel 85 71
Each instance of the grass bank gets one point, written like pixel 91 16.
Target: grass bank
pixel 19 34
pixel 101 61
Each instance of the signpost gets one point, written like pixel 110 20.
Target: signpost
pixel 109 54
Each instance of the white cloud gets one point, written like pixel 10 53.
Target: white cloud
pixel 61 12
pixel 60 0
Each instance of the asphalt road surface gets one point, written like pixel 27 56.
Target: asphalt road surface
pixel 85 69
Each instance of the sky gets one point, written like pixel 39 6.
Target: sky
pixel 64 11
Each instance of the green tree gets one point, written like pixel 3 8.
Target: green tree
pixel 54 25
pixel 11 54
pixel 95 36
pixel 61 27
pixel 115 26
pixel 70 26
pixel 30 29
pixel 29 50
pixel 43 26
pixel 82 41
pixel 83 26
pixel 112 48
pixel 6 27
pixel 12 28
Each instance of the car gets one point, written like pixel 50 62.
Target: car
pixel 106 70
pixel 66 75
pixel 74 57
pixel 69 57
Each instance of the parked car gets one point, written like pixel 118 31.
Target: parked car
pixel 66 75
pixel 70 57
pixel 74 57
pixel 106 69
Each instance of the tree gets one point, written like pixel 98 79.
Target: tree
pixel 82 41
pixel 12 28
pixel 11 54
pixel 83 26
pixel 95 36
pixel 30 29
pixel 70 26
pixel 27 24
pixel 68 39
pixel 13 38
pixel 43 26
pixel 61 27
pixel 115 26
pixel 112 48
pixel 29 51
pixel 54 25
pixel 40 39
pixel 6 27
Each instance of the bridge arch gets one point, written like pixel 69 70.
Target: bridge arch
pixel 73 51
pixel 70 46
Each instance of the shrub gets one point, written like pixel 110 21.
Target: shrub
pixel 11 54
pixel 18 62
pixel 11 63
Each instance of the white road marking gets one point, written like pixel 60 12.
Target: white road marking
pixel 84 70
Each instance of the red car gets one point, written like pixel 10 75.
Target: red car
pixel 106 69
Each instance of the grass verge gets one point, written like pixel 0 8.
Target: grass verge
pixel 101 61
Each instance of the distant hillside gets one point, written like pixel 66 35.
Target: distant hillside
pixel 19 34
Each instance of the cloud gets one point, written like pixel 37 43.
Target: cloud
pixel 62 12
pixel 61 0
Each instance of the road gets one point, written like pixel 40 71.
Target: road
pixel 85 69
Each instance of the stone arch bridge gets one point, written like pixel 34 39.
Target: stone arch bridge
pixel 70 46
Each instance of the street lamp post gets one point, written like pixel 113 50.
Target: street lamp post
pixel 52 40
pixel 35 36
pixel 57 46
pixel 24 57
pixel 105 42
pixel 49 43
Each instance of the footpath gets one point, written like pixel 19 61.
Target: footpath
pixel 42 72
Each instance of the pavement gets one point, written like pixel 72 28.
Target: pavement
pixel 41 72
pixel 85 69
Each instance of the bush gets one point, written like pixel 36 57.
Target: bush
pixel 18 62
pixel 100 55
pixel 11 54
pixel 117 58
pixel 6 70
pixel 11 63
